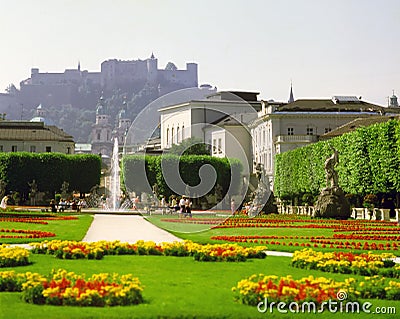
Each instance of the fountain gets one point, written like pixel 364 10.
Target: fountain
pixel 115 179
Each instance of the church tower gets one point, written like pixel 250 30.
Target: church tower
pixel 393 101
pixel 291 97
pixel 101 132
pixel 123 124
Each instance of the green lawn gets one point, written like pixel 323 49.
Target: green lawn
pixel 64 229
pixel 175 287
pixel 203 233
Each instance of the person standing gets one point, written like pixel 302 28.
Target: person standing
pixel 188 207
pixel 53 206
pixel 182 204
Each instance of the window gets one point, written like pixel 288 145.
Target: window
pixel 167 136
pixel 48 149
pixel 68 150
pixel 214 146
pixel 177 135
pixel 327 129
pixel 183 132
pixel 290 131
pixel 172 135
pixel 310 131
pixel 98 135
pixel 32 149
pixel 1 148
pixel 14 148
pixel 219 146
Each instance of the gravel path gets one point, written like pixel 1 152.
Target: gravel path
pixel 126 228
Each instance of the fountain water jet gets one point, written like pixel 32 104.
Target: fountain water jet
pixel 115 179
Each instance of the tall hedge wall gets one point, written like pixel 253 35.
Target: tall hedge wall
pixel 141 180
pixel 49 170
pixel 369 162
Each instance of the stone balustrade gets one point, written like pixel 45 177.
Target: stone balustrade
pixel 296 210
pixel 356 213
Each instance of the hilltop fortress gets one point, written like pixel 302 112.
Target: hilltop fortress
pixel 79 88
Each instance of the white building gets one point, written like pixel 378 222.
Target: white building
pixel 280 128
pixel 185 120
pixel 231 138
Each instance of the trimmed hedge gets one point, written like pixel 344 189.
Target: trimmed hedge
pixel 49 170
pixel 369 163
pixel 141 172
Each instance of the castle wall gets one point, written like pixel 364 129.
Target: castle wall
pixel 119 73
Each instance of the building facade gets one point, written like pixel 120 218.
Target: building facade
pixel 34 137
pixel 186 120
pixel 281 128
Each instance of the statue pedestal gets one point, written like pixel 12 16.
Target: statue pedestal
pixel 332 203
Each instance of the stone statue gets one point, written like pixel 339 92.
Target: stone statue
pixel 261 197
pixel 33 191
pixel 332 179
pixel 331 202
pixel 64 189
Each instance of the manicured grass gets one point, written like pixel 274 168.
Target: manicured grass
pixel 64 229
pixel 179 226
pixel 205 235
pixel 175 287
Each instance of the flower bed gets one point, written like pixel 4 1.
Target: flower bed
pixel 256 288
pixel 96 250
pixel 13 256
pixel 200 221
pixel 320 241
pixel 33 219
pixel 12 281
pixel 340 262
pixel 28 233
pixel 70 289
pixel 225 252
pixel 294 221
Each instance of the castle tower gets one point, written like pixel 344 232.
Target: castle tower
pixel 192 69
pixel 152 68
pixel 393 101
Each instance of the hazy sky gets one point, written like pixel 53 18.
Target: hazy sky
pixel 334 47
